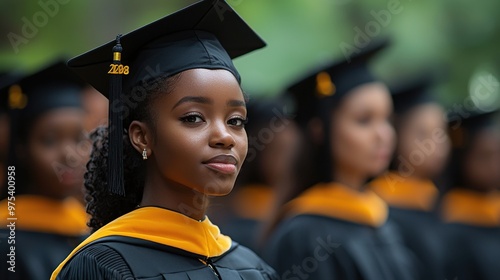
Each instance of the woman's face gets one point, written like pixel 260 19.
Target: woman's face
pixel 201 141
pixel 418 141
pixel 55 153
pixel 362 139
pixel 481 164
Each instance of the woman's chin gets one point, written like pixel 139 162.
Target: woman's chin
pixel 221 192
pixel 378 170
pixel 215 190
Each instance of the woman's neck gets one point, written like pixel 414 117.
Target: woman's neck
pixel 416 174
pixel 413 176
pixel 173 196
pixel 349 179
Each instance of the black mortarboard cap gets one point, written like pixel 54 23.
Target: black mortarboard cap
pixel 332 81
pixel 412 93
pixel 49 88
pixel 6 79
pixel 462 128
pixel 207 34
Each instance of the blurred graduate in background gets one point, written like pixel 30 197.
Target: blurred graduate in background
pixel 470 206
pixel 273 142
pixel 46 121
pixel 336 228
pixel 421 155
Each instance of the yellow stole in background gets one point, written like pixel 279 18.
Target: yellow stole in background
pixel 42 214
pixel 340 202
pixel 471 207
pixel 405 192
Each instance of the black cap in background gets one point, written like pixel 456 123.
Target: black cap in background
pixel 332 81
pixel 463 129
pixel 6 79
pixel 412 93
pixel 48 88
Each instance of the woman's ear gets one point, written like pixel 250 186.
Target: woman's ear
pixel 140 136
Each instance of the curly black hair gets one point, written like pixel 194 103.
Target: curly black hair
pixel 102 205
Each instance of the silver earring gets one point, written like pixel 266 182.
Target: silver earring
pixel 144 154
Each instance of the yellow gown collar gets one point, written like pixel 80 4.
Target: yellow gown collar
pixel 404 192
pixel 471 207
pixel 165 227
pixel 340 202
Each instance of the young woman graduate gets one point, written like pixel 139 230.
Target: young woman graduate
pixel 336 228
pixel 420 158
pixel 470 207
pixel 273 142
pixel 175 138
pixel 45 171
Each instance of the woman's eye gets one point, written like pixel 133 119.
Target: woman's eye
pixel 237 121
pixel 192 119
pixel 364 120
pixel 49 141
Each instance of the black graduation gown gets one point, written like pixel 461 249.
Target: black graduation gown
pixel 473 253
pixel 422 233
pixel 37 254
pixel 319 247
pixel 121 257
pixel 411 203
pixel 244 231
pixel 472 236
pixel 333 232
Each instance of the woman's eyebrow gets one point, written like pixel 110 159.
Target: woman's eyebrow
pixel 196 99
pixel 236 103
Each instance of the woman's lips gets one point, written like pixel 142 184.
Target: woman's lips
pixel 382 156
pixel 225 164
pixel 222 167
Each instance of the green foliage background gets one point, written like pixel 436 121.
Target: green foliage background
pixel 458 38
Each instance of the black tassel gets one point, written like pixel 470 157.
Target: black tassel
pixel 115 126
